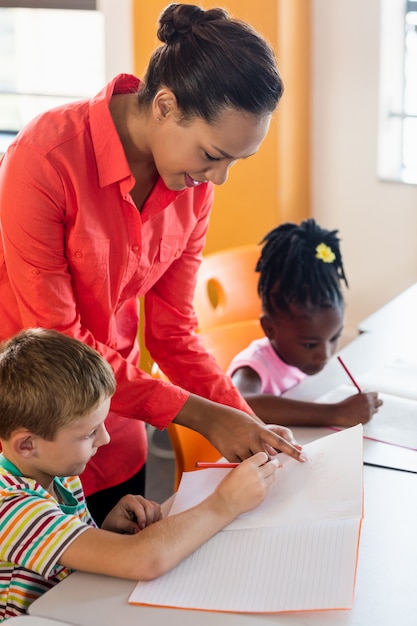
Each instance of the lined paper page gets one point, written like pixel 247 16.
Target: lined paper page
pixel 290 568
pixel 280 564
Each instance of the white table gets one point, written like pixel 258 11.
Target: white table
pixel 386 589
pixel 33 620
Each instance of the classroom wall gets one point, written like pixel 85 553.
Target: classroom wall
pixel 272 186
pixel 328 53
pixel 118 36
pixel 377 220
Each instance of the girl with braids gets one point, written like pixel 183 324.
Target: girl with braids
pixel 301 272
pixel 109 199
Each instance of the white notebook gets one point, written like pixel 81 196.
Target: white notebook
pixel 395 422
pixel 297 551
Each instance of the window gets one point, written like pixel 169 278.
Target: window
pixel 397 154
pixel 49 57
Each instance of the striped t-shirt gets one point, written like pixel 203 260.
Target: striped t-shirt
pixel 34 532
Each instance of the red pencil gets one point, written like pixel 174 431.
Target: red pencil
pixel 349 374
pixel 221 465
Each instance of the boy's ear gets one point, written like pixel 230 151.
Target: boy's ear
pixel 23 443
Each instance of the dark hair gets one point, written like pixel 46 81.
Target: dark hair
pixel 300 265
pixel 48 380
pixel 211 62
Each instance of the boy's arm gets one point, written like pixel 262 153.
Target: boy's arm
pixel 162 545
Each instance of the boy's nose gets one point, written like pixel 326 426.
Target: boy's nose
pixel 103 437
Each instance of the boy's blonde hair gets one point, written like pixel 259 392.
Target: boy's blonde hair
pixel 48 380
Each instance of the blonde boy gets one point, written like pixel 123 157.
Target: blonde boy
pixel 55 394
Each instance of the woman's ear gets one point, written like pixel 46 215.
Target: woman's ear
pixel 23 443
pixel 164 104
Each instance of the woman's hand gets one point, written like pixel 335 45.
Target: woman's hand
pixel 287 435
pixel 234 433
pixel 132 514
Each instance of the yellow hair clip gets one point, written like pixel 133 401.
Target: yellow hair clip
pixel 324 253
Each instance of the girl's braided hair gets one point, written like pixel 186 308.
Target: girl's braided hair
pixel 300 265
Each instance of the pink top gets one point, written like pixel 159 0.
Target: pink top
pixel 276 376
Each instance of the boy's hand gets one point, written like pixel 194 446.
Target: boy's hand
pixel 246 486
pixel 132 514
pixel 357 409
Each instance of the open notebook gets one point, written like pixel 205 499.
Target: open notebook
pixel 296 551
pixel 396 421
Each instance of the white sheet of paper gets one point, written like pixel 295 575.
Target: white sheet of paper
pixel 302 491
pixel 394 423
pixel 296 551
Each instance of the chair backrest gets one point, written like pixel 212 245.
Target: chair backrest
pixel 224 342
pixel 189 447
pixel 226 289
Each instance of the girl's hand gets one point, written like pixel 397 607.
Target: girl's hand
pixel 246 486
pixel 132 514
pixel 357 409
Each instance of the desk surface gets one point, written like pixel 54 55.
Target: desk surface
pixel 33 620
pixel 385 589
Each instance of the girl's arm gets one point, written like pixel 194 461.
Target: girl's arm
pixel 356 409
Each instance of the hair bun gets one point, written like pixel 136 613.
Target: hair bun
pixel 178 20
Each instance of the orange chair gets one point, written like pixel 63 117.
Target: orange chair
pixel 189 447
pixel 226 289
pixel 223 342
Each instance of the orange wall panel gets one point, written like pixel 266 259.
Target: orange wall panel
pixel 273 185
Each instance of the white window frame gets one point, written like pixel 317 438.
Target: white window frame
pixel 117 51
pixel 397 156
